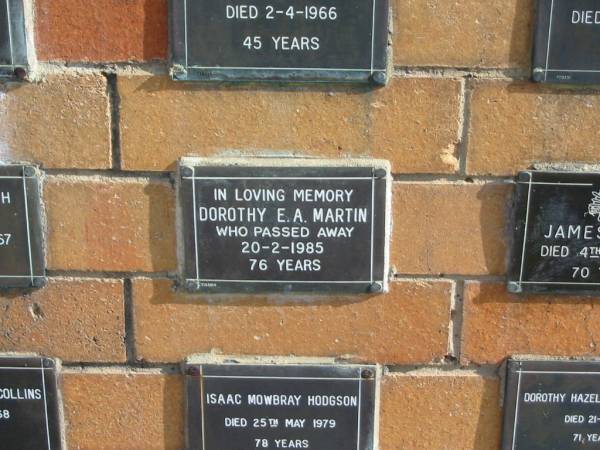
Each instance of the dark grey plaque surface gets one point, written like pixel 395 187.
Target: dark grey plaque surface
pixel 282 40
pixel 242 407
pixel 29 418
pixel 284 229
pixel 13 48
pixel 21 239
pixel 556 244
pixel 552 405
pixel 567 41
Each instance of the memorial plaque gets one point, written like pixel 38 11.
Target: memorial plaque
pixel 284 229
pixel 556 244
pixel 29 418
pixel 21 242
pixel 283 40
pixel 13 47
pixel 552 405
pixel 242 407
pixel 567 42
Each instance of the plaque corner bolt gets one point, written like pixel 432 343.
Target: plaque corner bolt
pixel 376 288
pixel 379 173
pixel 39 282
pixel 514 287
pixel 191 285
pixel 379 78
pixel 28 171
pixel 20 73
pixel 537 74
pixel 193 371
pixel 367 374
pixel 47 362
pixel 186 171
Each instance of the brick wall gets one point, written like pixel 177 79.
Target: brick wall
pixel 457 120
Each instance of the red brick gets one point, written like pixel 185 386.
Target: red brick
pixel 434 410
pixel 72 319
pixel 497 324
pixel 110 224
pixel 408 325
pixel 101 30
pixel 449 228
pixel 61 122
pixel 123 410
pixel 413 122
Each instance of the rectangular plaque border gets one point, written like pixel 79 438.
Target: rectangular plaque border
pixel 35 236
pixel 47 368
pixel 181 70
pixel 194 411
pixel 17 38
pixel 543 72
pixel 515 369
pixel 516 282
pixel 379 244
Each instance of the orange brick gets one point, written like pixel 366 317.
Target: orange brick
pixel 102 30
pixel 62 122
pixel 412 122
pixel 467 33
pixel 123 411
pixel 514 125
pixel 72 319
pixel 497 325
pixel 433 410
pixel 449 228
pixel 110 224
pixel 408 325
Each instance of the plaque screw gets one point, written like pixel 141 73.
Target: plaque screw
pixel 47 362
pixel 379 78
pixel 375 287
pixel 20 73
pixel 186 171
pixel 191 285
pixel 28 171
pixel 514 287
pixel 379 173
pixel 193 371
pixel 367 374
pixel 538 74
pixel 39 282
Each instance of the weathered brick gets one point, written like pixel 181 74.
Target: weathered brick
pixel 102 30
pixel 468 33
pixel 514 125
pixel 497 324
pixel 434 410
pixel 110 224
pixel 412 122
pixel 408 325
pixel 123 411
pixel 449 228
pixel 72 319
pixel 61 122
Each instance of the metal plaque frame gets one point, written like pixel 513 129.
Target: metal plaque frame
pixel 28 184
pixel 524 274
pixel 46 413
pixel 13 54
pixel 297 378
pixel 183 69
pixel 561 60
pixel 375 176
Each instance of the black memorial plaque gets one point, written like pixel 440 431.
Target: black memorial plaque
pixel 13 48
pixel 284 229
pixel 243 407
pixel 280 40
pixel 556 244
pixel 29 418
pixel 552 405
pixel 21 242
pixel 567 42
